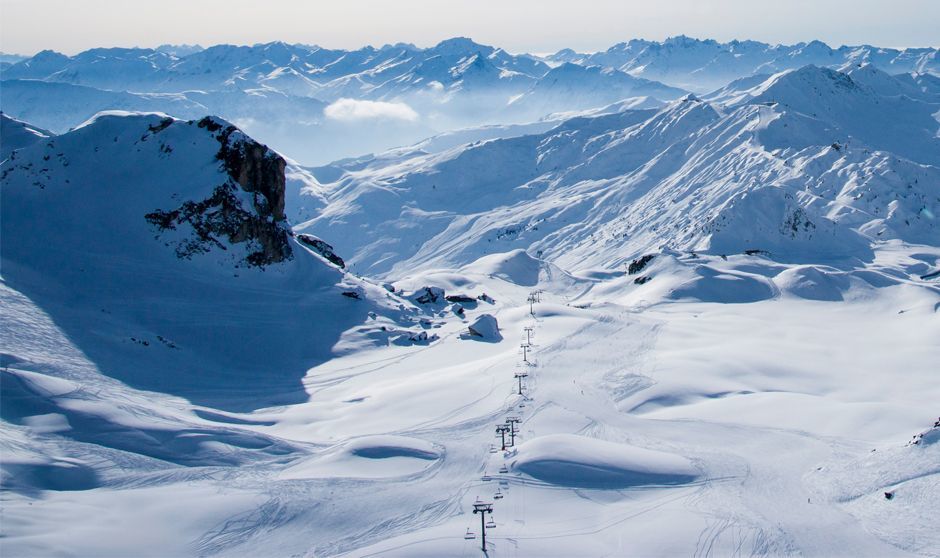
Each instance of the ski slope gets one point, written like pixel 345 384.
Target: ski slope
pixel 745 443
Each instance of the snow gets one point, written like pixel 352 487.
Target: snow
pixel 757 387
pixel 813 178
pixel 703 65
pixel 485 328
pixel 581 462
pixel 17 135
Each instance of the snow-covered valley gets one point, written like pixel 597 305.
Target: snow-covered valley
pixel 640 325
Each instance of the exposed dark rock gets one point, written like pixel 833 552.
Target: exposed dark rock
pixel 163 125
pixel 642 280
pixel 415 338
pixel 251 167
pixel 756 252
pixel 460 298
pixel 429 295
pixel 352 294
pixel 222 215
pixel 638 264
pixel 486 298
pixel 322 248
pixel 931 275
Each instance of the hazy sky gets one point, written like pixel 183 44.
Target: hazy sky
pixel 516 25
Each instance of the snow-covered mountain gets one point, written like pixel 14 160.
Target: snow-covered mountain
pixel 809 165
pixel 382 98
pixel 15 134
pixel 171 237
pixel 704 65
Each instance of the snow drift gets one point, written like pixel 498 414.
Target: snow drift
pixel 581 462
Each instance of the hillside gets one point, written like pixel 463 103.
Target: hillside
pixel 805 150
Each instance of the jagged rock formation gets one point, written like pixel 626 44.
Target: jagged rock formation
pixel 429 295
pixel 252 168
pixel 638 264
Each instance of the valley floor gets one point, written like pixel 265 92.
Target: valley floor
pixel 776 427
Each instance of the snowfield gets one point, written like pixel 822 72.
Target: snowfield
pixel 703 327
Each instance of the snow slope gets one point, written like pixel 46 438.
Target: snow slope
pixel 808 166
pixel 15 134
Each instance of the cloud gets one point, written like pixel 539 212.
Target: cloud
pixel 352 110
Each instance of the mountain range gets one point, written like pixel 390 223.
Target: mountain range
pixel 830 161
pixel 406 92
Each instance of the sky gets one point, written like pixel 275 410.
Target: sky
pixel 69 26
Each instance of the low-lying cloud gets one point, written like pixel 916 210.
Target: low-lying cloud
pixel 353 110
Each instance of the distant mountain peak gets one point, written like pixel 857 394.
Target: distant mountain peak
pixel 460 45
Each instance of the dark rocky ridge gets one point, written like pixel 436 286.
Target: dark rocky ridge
pixel 322 248
pixel 252 168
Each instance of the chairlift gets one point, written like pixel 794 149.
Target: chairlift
pixel 504 469
pixel 491 524
pixel 486 478
pixel 498 495
pixel 493 449
pixel 470 535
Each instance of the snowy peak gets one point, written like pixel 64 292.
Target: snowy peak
pixel 15 134
pixel 804 87
pixel 199 187
pixel 460 46
pixel 168 236
pixel 852 112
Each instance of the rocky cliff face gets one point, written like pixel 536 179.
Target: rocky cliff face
pixel 248 208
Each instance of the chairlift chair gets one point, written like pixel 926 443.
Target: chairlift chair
pixel 491 524
pixel 470 535
pixel 504 469
pixel 498 495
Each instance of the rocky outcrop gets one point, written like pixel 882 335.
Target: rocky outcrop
pixel 251 165
pixel 323 249
pixel 429 295
pixel 638 264
pixel 252 168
